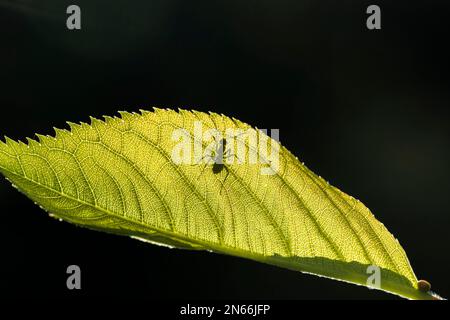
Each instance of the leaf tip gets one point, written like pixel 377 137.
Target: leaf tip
pixel 425 287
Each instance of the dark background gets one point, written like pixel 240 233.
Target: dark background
pixel 367 110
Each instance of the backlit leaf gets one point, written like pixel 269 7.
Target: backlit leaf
pixel 118 175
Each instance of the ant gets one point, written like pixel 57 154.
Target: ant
pixel 217 156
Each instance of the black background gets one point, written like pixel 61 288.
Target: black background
pixel 367 110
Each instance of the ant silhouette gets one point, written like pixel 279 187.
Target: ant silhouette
pixel 217 157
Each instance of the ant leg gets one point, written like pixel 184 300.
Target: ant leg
pixel 206 163
pixel 201 172
pixel 203 158
pixel 239 159
pixel 223 182
pixel 228 154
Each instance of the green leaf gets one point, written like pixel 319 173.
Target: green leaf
pixel 119 176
